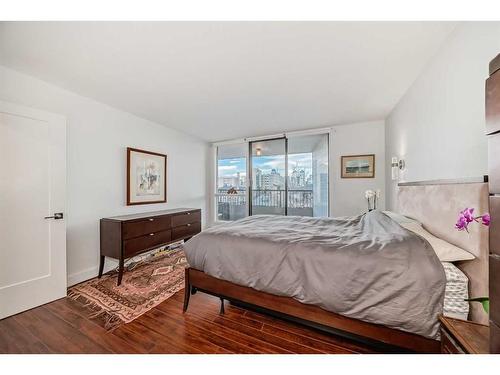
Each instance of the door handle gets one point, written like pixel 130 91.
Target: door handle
pixel 57 216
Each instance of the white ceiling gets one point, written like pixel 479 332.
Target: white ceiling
pixel 222 80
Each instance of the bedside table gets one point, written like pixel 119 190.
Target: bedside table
pixel 463 337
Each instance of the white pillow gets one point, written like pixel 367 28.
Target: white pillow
pixel 445 251
pixel 398 218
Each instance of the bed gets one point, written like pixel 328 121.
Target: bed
pixel 366 277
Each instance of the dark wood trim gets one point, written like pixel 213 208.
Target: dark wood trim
pixel 129 150
pixel 466 180
pixel 309 313
pixel 342 175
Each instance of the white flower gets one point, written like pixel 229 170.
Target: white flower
pixel 369 194
pixel 378 193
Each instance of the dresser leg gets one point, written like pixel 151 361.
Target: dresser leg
pixel 120 271
pixel 101 266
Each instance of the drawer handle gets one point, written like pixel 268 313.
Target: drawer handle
pixel 151 234
pixel 188 225
pixel 151 219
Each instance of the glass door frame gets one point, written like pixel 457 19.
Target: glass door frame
pixel 326 131
pixel 250 172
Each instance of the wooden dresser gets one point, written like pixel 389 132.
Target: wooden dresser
pixel 493 134
pixel 463 337
pixel 123 237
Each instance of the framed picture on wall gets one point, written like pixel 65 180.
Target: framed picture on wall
pixel 358 166
pixel 146 177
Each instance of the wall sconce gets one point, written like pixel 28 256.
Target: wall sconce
pixel 396 166
pixel 258 151
pixel 402 165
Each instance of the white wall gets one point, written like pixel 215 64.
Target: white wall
pixel 438 125
pixel 347 195
pixel 320 174
pixel 98 136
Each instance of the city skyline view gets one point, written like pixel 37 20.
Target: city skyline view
pixel 232 171
pixel 302 191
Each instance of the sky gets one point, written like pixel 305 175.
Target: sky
pixel 229 167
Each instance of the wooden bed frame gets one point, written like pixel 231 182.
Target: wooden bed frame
pixel 381 337
pixel 433 203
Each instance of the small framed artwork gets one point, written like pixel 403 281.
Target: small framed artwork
pixel 358 166
pixel 146 177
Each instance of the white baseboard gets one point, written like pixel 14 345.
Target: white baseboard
pixel 90 273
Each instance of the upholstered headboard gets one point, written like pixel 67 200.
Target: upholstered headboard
pixel 436 205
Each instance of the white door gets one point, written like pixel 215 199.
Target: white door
pixel 32 186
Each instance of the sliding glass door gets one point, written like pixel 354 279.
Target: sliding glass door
pixel 268 171
pixel 281 176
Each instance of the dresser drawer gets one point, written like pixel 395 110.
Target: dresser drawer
pixel 186 230
pixel 139 244
pixel 138 228
pixel 186 218
pixel 494 266
pixel 494 338
pixel 495 225
pixel 494 163
pixel 493 103
pixel 448 344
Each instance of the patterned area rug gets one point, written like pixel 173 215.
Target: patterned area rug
pixel 145 285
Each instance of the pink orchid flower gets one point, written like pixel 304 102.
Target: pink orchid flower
pixel 486 219
pixel 466 217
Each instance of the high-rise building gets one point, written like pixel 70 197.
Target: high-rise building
pixel 273 181
pixel 257 178
pixel 298 178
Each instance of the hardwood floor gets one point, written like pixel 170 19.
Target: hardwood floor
pixel 64 326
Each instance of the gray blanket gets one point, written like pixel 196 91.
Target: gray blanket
pixel 366 267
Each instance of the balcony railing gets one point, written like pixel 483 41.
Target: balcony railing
pixel 270 202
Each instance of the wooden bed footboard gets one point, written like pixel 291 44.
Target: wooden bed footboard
pixel 387 339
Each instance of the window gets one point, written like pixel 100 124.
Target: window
pixel 231 190
pixel 283 176
pixel 268 188
pixel 308 175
